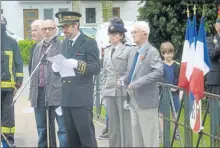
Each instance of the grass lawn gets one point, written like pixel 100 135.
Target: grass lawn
pixel 204 142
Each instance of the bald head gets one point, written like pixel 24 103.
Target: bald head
pixel 36 32
pixel 49 29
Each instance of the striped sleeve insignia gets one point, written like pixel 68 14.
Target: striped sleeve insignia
pixel 81 67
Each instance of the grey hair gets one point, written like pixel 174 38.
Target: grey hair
pixel 38 22
pixel 142 26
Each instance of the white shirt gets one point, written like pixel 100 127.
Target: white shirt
pixel 75 38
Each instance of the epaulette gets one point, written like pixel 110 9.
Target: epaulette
pixel 107 46
pixel 130 45
pixel 176 62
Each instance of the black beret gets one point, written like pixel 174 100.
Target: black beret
pixel 67 17
pixel 116 28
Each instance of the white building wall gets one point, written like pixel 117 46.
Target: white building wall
pixel 13 11
pixel 128 9
pixel 91 4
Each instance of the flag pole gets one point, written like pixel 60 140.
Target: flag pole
pixel 187 11
pixel 194 9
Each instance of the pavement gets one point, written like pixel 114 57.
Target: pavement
pixel 26 133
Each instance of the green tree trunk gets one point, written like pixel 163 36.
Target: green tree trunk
pixel 106 10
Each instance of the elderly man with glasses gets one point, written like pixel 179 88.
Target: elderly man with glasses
pixel 45 89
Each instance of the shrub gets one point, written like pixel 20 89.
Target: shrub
pixel 25 46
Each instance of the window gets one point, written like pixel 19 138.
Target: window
pixel 48 14
pixel 116 11
pixel 90 15
pixel 1 11
pixel 63 9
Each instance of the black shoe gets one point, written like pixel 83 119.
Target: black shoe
pixel 105 131
pixel 103 137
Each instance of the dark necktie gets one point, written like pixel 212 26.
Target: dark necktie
pixel 70 43
pixel 133 67
pixel 113 50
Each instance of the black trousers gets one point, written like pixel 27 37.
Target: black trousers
pixel 79 126
pixel 7 115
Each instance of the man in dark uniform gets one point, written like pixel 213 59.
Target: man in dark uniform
pixel 11 79
pixel 213 78
pixel 82 55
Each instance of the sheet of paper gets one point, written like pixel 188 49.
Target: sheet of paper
pixel 28 110
pixel 59 111
pixel 64 71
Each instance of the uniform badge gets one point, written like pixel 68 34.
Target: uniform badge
pixel 112 27
pixel 60 15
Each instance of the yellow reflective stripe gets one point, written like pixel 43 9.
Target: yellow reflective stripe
pixel 19 74
pixel 10 63
pixel 8 130
pixel 7 84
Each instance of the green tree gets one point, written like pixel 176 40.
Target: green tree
pixel 167 20
pixel 106 9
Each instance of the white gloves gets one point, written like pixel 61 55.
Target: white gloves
pixel 55 67
pixel 70 63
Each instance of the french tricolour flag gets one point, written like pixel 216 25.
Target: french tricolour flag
pixel 183 81
pixel 201 65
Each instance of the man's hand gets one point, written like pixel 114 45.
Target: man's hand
pixel 71 63
pixel 129 86
pixel 173 89
pixel 120 83
pixel 18 85
pixel 55 67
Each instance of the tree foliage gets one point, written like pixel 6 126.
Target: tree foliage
pixel 106 9
pixel 168 21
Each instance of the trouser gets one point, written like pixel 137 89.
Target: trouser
pixel 119 126
pixel 80 127
pixel 145 125
pixel 7 115
pixel 41 122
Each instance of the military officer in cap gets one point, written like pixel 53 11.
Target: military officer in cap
pixel 115 65
pixel 213 76
pixel 82 55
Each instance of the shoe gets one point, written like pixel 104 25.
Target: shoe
pixel 177 137
pixel 105 131
pixel 103 137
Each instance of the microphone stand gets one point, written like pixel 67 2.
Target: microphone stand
pixel 16 97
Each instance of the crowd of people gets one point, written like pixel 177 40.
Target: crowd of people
pixel 130 75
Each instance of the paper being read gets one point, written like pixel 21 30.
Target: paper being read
pixel 59 111
pixel 64 71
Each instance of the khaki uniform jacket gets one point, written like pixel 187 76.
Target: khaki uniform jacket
pixel 113 68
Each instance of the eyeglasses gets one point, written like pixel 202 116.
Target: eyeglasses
pixel 48 28
pixel 135 32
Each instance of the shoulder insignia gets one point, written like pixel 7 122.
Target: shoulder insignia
pixel 107 47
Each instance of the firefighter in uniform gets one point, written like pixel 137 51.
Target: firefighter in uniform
pixel 11 79
pixel 82 55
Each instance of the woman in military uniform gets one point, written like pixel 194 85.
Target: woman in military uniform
pixel 115 65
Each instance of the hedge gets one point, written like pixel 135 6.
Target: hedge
pixel 25 46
